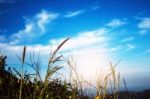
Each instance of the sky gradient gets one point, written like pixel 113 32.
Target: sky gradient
pixel 100 30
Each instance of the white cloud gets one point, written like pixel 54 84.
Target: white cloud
pixel 143 32
pixel 83 39
pixel 130 46
pixel 74 13
pixel 17 49
pixel 128 39
pixel 114 49
pixel 34 27
pixel 44 17
pixel 88 48
pixel 116 22
pixel 91 60
pixel 144 24
pixel 95 7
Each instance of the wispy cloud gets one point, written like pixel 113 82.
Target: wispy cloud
pixel 73 13
pixel 144 24
pixel 88 48
pixel 128 39
pixel 143 32
pixel 130 46
pixel 85 46
pixel 116 48
pixel 91 38
pixel 95 7
pixel 116 22
pixel 45 17
pixel 34 27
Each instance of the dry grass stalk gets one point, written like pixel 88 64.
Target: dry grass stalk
pixel 23 59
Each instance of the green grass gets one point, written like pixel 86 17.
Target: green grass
pixel 32 86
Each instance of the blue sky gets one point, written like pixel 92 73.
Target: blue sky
pixel 100 31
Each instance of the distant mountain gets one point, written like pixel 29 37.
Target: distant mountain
pixel 135 95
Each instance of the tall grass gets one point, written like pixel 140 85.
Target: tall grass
pixel 51 69
pixel 108 84
pixel 22 76
pixel 33 86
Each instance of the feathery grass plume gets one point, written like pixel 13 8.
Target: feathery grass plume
pixel 23 60
pixel 102 85
pixel 50 69
pixel 115 80
pixel 104 80
pixel 24 54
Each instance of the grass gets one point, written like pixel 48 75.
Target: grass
pixel 22 76
pixel 32 86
